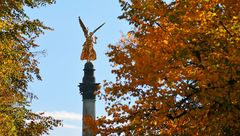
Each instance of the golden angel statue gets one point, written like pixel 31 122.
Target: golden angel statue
pixel 88 52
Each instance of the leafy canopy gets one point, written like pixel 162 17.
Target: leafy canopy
pixel 177 72
pixel 18 66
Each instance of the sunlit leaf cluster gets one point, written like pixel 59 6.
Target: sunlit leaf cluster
pixel 18 67
pixel 177 72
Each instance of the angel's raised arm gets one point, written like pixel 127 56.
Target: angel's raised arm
pixel 98 28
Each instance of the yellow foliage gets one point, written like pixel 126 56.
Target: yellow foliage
pixel 179 69
pixel 18 66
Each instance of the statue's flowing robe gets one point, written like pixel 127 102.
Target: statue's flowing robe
pixel 88 52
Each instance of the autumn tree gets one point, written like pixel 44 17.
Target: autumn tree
pixel 18 67
pixel 177 72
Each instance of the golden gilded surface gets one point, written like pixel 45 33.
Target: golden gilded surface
pixel 88 52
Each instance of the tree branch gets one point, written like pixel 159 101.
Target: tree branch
pixel 225 28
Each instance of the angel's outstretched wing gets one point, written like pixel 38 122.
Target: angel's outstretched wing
pixel 98 28
pixel 85 30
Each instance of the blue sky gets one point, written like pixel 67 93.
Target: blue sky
pixel 61 68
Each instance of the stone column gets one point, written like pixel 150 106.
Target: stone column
pixel 87 89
